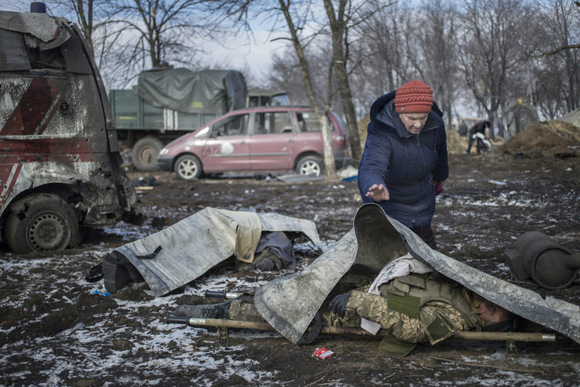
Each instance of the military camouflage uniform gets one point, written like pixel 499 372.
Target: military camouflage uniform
pixel 266 253
pixel 412 309
pixel 375 308
pixel 242 310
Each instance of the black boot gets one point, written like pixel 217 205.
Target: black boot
pixel 266 264
pixel 214 311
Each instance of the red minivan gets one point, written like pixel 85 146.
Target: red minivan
pixel 264 139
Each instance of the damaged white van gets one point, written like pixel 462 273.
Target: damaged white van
pixel 59 156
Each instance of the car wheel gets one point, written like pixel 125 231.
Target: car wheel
pixel 309 165
pixel 41 222
pixel 188 167
pixel 144 153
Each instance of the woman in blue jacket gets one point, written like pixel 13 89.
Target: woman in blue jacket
pixel 405 157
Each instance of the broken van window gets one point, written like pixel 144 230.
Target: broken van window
pixel 24 52
pixel 45 59
pixel 13 55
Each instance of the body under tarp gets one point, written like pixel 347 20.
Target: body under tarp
pixel 181 253
pixel 375 240
pixel 207 92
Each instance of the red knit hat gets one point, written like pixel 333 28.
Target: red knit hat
pixel 414 97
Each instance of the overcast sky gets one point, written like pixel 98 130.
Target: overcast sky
pixel 238 53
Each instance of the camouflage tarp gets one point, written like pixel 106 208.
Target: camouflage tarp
pixel 189 248
pixel 375 240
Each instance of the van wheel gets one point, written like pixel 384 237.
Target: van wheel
pixel 188 167
pixel 309 165
pixel 42 222
pixel 144 153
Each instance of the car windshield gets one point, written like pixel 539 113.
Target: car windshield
pixel 280 100
pixel 268 100
pixel 203 132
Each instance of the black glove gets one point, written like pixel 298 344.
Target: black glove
pixel 266 264
pixel 338 304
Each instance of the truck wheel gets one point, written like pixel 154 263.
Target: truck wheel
pixel 144 153
pixel 309 165
pixel 41 222
pixel 188 167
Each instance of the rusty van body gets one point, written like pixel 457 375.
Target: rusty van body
pixel 60 165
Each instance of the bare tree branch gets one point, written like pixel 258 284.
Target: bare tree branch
pixel 560 49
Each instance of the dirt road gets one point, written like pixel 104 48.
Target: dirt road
pixel 57 329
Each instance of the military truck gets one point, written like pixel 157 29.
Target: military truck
pixel 60 162
pixel 170 102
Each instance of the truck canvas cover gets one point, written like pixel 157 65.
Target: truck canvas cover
pixel 375 240
pixel 193 92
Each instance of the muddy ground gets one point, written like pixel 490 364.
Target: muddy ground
pixel 55 331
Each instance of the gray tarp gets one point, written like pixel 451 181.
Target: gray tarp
pixel 375 240
pixel 573 117
pixel 194 245
pixel 207 92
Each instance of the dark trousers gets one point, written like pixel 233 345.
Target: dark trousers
pixel 425 232
pixel 469 143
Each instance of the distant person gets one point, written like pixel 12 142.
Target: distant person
pixel 480 127
pixel 405 162
pixel 463 129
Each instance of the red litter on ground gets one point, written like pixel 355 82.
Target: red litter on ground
pixel 323 353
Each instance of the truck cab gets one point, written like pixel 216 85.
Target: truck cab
pixel 60 165
pixel 260 97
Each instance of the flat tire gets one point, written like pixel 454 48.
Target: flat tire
pixel 42 222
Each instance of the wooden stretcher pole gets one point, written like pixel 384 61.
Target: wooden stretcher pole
pixel 460 336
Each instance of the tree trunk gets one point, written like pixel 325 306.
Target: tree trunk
pixel 337 28
pixel 329 164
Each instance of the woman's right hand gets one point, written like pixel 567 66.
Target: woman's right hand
pixel 378 192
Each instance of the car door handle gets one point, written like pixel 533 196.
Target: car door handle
pixel 291 140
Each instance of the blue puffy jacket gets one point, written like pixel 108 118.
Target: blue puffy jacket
pixel 405 163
